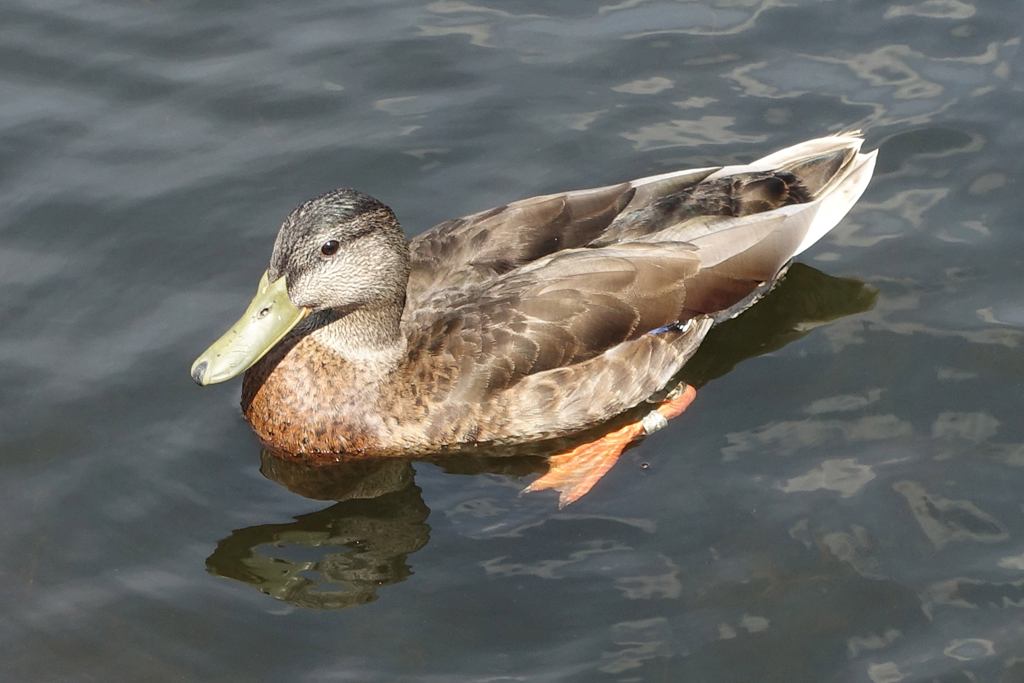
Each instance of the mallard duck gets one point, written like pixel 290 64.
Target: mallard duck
pixel 530 321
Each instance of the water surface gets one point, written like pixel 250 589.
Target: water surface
pixel 844 504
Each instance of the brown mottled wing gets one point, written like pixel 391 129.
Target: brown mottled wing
pixel 559 311
pixel 467 252
pixel 552 314
pixel 588 393
pixel 470 252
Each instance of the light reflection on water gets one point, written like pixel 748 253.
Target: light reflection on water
pixel 844 506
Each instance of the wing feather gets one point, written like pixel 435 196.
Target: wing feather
pixel 561 311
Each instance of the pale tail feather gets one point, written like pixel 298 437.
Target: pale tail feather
pixel 835 198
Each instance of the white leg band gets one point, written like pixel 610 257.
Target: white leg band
pixel 653 421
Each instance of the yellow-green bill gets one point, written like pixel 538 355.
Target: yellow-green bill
pixel 270 316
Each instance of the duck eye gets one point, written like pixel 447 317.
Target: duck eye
pixel 330 248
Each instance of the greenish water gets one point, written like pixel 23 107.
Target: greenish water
pixel 841 503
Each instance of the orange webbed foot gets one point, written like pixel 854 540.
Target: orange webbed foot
pixel 575 472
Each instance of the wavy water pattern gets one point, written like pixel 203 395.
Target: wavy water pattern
pixel 841 503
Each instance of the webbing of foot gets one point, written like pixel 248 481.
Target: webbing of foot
pixel 575 472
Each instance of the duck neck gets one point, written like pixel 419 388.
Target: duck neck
pixel 369 336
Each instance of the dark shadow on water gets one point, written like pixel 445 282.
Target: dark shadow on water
pixel 804 300
pixel 339 557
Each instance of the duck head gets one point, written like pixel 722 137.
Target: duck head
pixel 335 255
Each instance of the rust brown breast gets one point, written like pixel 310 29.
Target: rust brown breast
pixel 300 398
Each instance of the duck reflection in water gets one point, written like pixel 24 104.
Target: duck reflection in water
pixel 557 317
pixel 341 556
